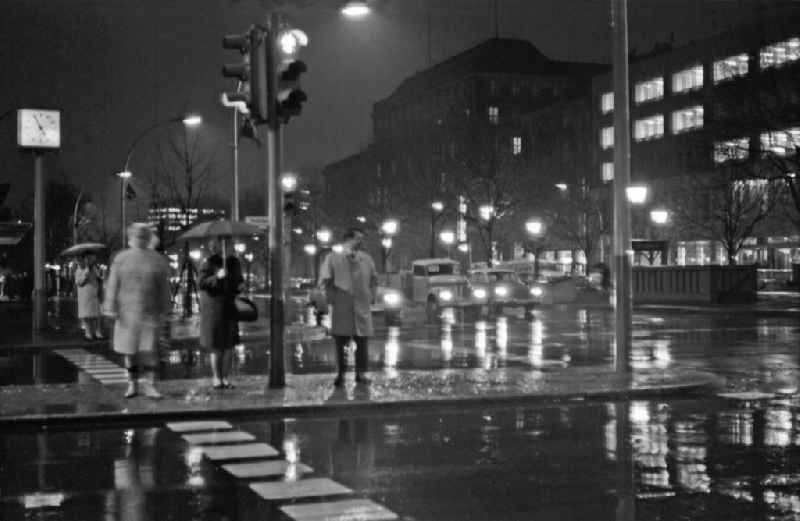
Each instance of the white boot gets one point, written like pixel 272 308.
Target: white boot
pixel 148 388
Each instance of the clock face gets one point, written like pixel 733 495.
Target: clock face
pixel 38 128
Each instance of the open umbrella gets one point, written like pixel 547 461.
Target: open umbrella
pixel 220 228
pixel 84 247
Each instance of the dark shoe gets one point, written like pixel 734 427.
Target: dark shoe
pixel 360 379
pixel 218 386
pixel 132 390
pixel 339 381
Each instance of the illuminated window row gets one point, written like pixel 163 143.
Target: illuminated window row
pixel 648 128
pixel 781 142
pixel 687 119
pixel 648 90
pixel 780 53
pixel 731 150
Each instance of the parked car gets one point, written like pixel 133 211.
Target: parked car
pixel 497 288
pixel 438 283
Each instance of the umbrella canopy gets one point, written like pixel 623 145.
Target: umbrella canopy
pixel 221 228
pixel 83 247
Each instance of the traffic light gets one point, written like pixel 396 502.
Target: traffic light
pixel 289 96
pixel 251 71
pixel 290 203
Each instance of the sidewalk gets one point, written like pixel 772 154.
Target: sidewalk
pixel 93 402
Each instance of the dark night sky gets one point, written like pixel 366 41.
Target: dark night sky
pixel 115 67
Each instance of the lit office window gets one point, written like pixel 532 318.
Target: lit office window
pixel 516 145
pixel 607 172
pixel 607 102
pixel 730 67
pixel 494 115
pixel 780 53
pixel 606 137
pixel 687 119
pixel 781 142
pixel 648 128
pixel 731 150
pixel 688 79
pixel 648 90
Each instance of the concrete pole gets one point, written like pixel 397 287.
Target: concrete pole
pixel 123 216
pixel 39 291
pixel 623 307
pixel 277 371
pixel 235 205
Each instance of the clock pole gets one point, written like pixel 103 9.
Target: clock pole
pixel 39 291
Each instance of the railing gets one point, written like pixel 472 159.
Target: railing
pixel 694 283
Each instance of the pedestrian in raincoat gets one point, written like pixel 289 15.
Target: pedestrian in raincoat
pixel 350 280
pixel 219 330
pixel 87 280
pixel 138 298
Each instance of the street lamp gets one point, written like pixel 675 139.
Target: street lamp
pixel 535 228
pixel 324 235
pixel 436 211
pixel 240 247
pixel 248 257
pixel 355 9
pixel 637 194
pixel 486 211
pixel 659 216
pixel 389 228
pixel 448 238
pixel 191 120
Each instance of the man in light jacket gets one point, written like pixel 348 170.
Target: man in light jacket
pixel 350 280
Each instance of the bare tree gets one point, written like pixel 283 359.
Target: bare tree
pixel 182 177
pixel 726 205
pixel 577 216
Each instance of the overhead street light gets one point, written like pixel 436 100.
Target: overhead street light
pixel 637 194
pixel 355 9
pixel 659 216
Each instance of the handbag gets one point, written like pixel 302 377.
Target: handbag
pixel 246 310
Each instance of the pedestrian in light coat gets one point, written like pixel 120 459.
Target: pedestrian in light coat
pixel 349 279
pixel 138 298
pixel 87 281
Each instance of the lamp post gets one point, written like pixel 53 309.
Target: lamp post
pixel 237 106
pixel 125 174
pixel 323 238
pixel 436 211
pixel 535 228
pixel 448 238
pixel 389 229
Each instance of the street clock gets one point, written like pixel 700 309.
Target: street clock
pixel 38 128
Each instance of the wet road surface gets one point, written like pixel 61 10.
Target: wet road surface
pixel 710 459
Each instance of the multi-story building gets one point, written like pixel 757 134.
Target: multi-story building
pixel 464 118
pixel 718 108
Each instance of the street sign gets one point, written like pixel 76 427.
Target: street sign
pixel 262 221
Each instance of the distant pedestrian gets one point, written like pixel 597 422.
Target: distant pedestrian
pixel 219 284
pixel 87 280
pixel 137 296
pixel 350 280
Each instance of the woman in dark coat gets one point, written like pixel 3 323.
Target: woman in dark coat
pixel 219 329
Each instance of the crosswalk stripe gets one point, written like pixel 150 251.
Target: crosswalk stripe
pixel 193 426
pixel 312 487
pixel 248 450
pixel 344 510
pixel 210 438
pixel 266 468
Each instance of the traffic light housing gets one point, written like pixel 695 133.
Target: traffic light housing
pixel 290 203
pixel 251 71
pixel 290 96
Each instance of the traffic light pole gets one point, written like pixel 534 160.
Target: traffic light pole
pixel 277 371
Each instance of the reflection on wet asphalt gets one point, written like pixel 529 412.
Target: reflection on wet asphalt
pixel 711 459
pixel 745 347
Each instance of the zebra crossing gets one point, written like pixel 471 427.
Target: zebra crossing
pixel 237 453
pixel 97 366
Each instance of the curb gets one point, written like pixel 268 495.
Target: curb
pixel 57 420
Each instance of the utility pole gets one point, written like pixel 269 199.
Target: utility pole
pixel 623 306
pixel 235 205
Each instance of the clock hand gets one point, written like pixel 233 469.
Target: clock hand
pixel 39 124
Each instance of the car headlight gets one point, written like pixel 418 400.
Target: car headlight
pixel 391 299
pixel 479 293
pixel 501 291
pixel 536 291
pixel 446 295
